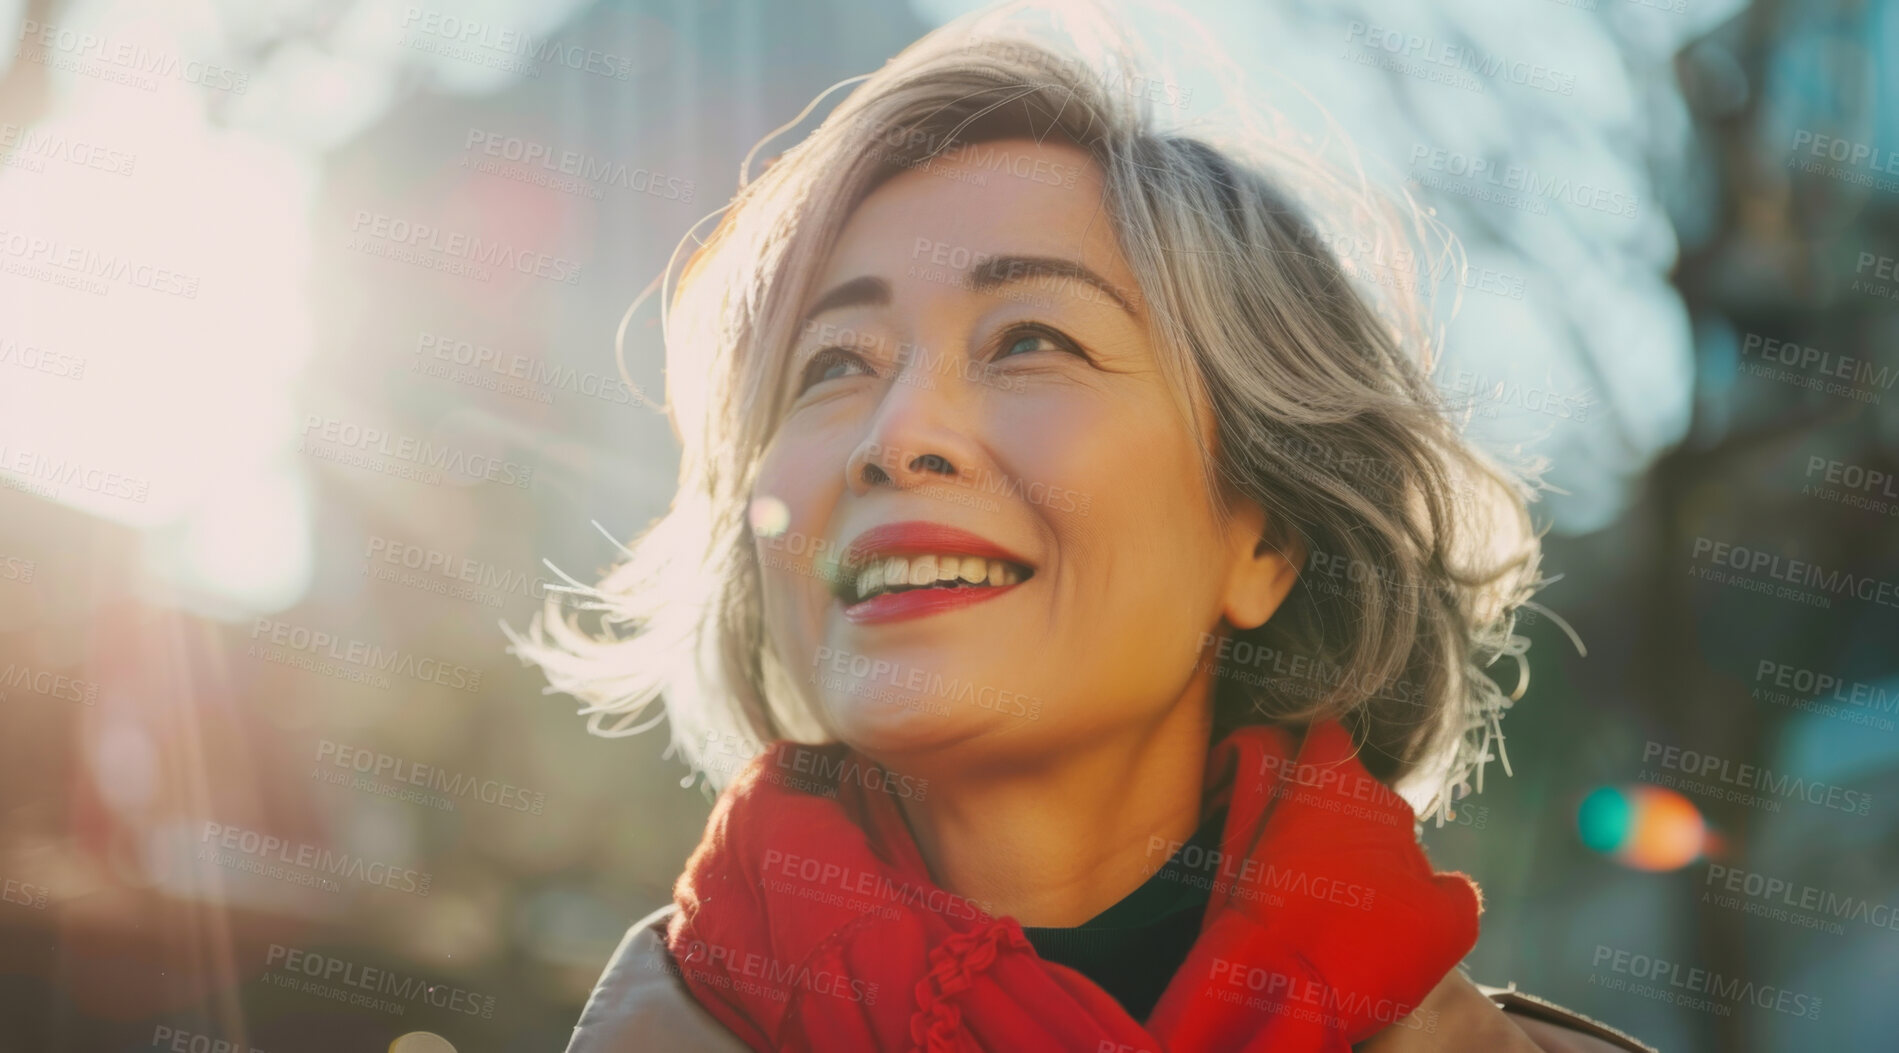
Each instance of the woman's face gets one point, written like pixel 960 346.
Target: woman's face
pixel 977 404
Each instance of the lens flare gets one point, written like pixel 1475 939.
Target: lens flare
pixel 421 1042
pixel 1643 827
pixel 769 517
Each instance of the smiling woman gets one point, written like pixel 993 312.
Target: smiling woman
pixel 1072 567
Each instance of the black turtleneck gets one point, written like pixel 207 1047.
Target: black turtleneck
pixel 1132 949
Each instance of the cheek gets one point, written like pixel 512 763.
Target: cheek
pixel 1064 442
pixel 803 465
pixel 790 610
pixel 792 497
pixel 791 508
pixel 1147 551
pixel 1121 475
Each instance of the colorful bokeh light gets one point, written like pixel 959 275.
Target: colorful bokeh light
pixel 1643 827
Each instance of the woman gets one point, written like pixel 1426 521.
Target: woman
pixel 1068 567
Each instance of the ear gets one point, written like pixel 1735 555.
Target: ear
pixel 1259 574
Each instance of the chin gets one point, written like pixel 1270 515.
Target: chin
pixel 888 721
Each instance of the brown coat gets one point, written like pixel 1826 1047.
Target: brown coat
pixel 640 1004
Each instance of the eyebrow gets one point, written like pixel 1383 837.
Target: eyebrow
pixel 858 292
pixel 992 273
pixel 1001 270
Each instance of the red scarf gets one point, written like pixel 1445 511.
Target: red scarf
pixel 807 919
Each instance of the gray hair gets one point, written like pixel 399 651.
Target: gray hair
pixel 1319 386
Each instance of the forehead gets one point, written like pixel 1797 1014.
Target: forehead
pixel 1005 197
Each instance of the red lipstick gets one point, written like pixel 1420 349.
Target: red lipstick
pixel 916 537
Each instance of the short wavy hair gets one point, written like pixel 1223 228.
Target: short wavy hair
pixel 1416 547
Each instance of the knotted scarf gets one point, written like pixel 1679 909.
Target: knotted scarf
pixel 808 922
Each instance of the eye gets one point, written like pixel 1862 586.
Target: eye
pixel 1029 339
pixel 831 363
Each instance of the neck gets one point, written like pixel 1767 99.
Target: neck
pixel 1054 845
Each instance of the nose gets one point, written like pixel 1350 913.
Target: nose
pixel 921 432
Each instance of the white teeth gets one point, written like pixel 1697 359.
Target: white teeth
pixel 931 569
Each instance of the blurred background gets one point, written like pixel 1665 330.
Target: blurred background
pixel 308 385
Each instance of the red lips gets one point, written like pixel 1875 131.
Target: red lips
pixel 915 536
pixel 916 603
